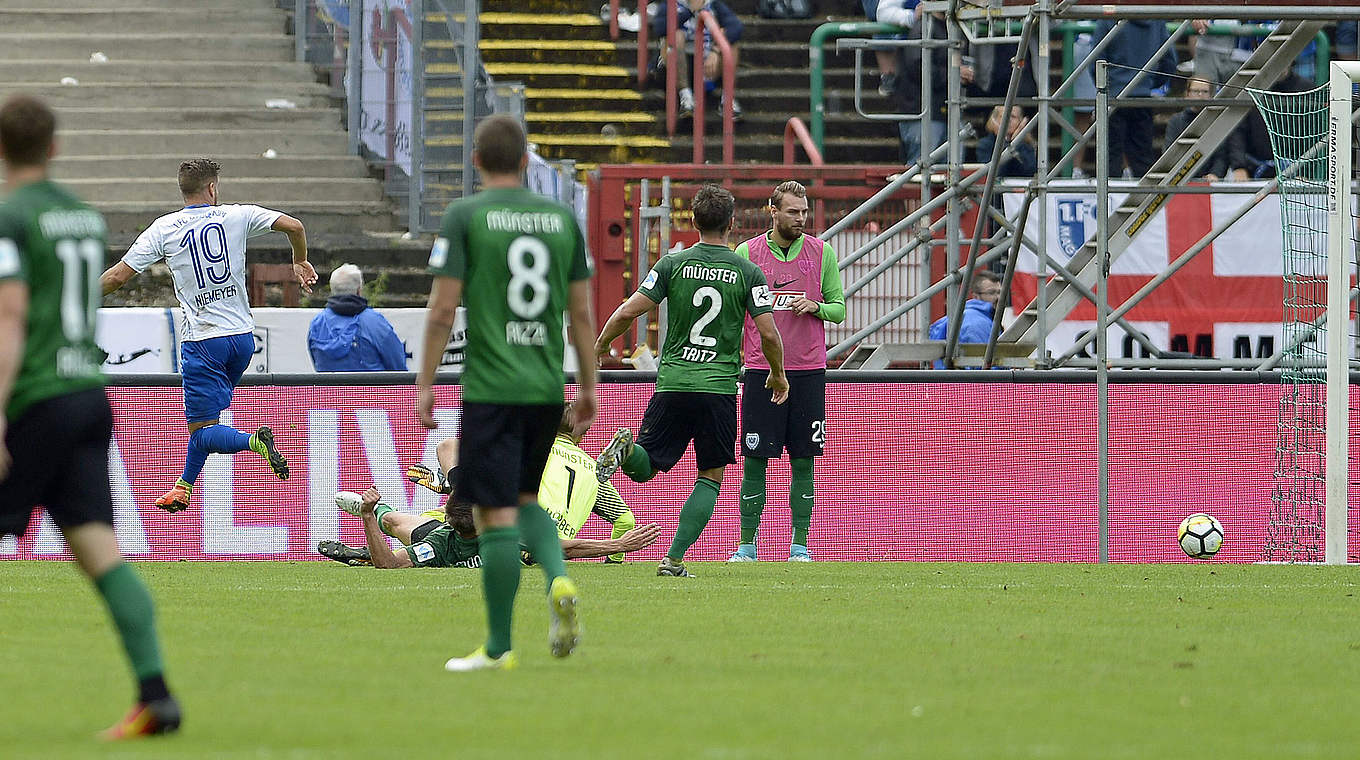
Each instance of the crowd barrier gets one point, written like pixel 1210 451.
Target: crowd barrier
pixel 980 466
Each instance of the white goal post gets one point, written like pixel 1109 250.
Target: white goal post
pixel 1340 262
pixel 1312 135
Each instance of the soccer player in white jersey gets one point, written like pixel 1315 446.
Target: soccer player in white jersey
pixel 204 244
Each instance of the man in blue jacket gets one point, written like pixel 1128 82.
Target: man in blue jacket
pixel 348 336
pixel 977 313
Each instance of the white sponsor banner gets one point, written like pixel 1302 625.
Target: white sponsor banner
pixel 137 340
pixel 1254 339
pixel 143 340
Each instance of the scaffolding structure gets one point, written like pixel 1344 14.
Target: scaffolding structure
pixel 951 188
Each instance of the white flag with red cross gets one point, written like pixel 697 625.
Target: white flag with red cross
pixel 1225 303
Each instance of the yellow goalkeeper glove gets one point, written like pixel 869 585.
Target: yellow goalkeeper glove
pixel 424 476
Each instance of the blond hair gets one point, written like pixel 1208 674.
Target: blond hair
pixel 792 187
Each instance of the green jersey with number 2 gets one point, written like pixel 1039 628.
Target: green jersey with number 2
pixel 53 242
pixel 516 253
pixel 710 291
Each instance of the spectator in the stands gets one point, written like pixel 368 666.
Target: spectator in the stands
pixel 348 336
pixel 898 13
pixel 978 312
pixel 1025 162
pixel 1132 129
pixel 1230 160
pixel 687 12
pixel 1218 56
pixel 907 93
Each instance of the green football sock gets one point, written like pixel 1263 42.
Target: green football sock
pixel 499 548
pixel 538 532
pixel 135 617
pixel 694 516
pixel 378 513
pixel 800 498
pixel 752 497
pixel 638 465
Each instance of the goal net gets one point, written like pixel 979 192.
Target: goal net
pixel 1312 136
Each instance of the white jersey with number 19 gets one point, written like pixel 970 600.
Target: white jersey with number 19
pixel 205 248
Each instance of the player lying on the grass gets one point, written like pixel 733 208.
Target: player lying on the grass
pixel 569 492
pixel 430 542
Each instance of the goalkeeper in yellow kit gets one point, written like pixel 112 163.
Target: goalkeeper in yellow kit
pixel 569 492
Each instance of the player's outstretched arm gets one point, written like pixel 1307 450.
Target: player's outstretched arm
pixel 383 556
pixel 13 323
pixel 116 277
pixel 587 548
pixel 445 295
pixel 636 305
pixel 773 347
pixel 297 238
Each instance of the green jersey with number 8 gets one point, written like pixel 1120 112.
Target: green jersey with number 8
pixel 53 242
pixel 516 253
pixel 710 291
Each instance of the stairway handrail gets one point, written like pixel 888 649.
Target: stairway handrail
pixel 709 25
pixel 795 130
pixel 816 57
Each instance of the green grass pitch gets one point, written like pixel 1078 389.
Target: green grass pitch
pixel 315 660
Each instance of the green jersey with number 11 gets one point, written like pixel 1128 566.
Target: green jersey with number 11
pixel 710 291
pixel 53 242
pixel 516 253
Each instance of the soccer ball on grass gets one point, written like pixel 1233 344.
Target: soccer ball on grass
pixel 1200 536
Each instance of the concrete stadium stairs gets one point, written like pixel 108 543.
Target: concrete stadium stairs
pixel 583 102
pixel 186 78
pixel 580 102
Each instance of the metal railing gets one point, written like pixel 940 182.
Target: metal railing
pixel 1067 30
pixel 1011 236
pixel 674 43
pixel 710 26
pixel 795 132
pixel 817 60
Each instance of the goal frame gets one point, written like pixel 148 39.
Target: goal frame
pixel 1340 252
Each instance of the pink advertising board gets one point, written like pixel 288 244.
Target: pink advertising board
pixel 913 471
